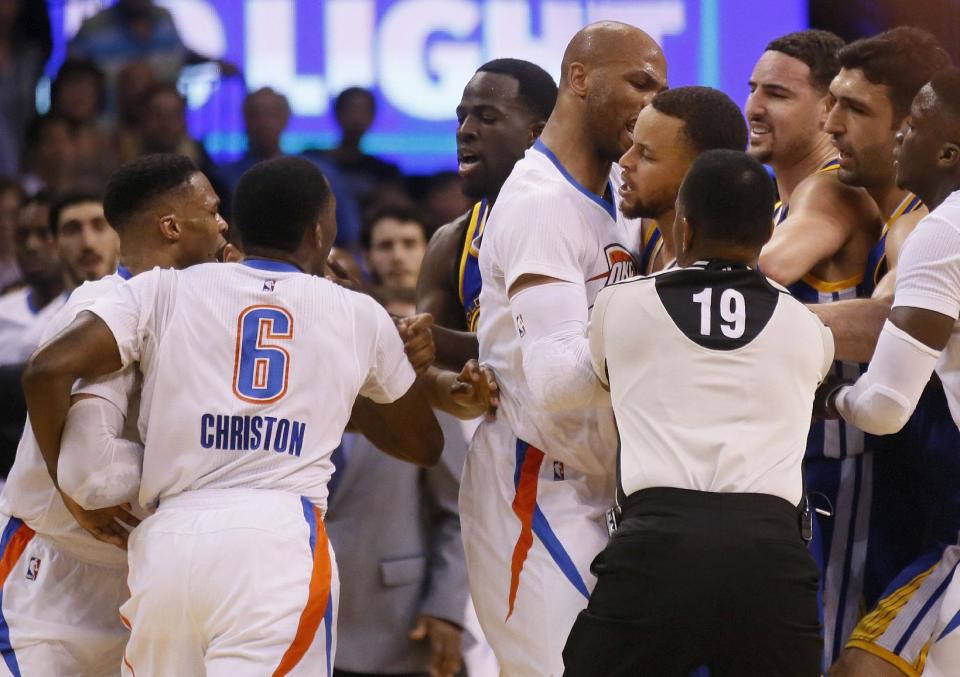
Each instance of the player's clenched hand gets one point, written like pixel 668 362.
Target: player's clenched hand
pixel 338 274
pixel 476 387
pixel 418 340
pixel 445 644
pixel 106 524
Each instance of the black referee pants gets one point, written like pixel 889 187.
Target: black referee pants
pixel 693 578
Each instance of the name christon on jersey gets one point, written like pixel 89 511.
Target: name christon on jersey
pixel 252 433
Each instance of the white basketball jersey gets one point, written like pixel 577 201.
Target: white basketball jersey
pixel 545 223
pixel 21 324
pixel 250 372
pixel 29 492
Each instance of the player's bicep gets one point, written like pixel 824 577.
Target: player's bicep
pixel 437 287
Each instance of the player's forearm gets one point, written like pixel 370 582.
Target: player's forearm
pixel 406 429
pixel 783 266
pixel 856 325
pixel 454 348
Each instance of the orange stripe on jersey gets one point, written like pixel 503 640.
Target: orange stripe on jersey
pixel 15 547
pixel 127 663
pixel 317 599
pixel 524 503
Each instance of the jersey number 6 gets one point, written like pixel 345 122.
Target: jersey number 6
pixel 260 368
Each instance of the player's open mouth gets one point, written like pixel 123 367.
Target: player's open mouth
pixel 843 158
pixel 467 161
pixel 625 188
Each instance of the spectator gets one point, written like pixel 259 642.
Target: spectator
pixel 266 113
pixel 10 198
pixel 134 81
pixel 163 129
pixel 24 309
pixel 402 608
pixel 87 246
pixel 135 30
pixel 78 95
pixel 48 156
pixel 25 44
pixel 394 242
pixel 355 110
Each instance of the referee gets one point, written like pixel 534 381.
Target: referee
pixel 711 369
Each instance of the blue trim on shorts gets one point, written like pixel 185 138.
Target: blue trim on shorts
pixel 312 521
pixel 838 636
pixel 951 626
pixel 543 531
pixel 328 621
pixel 6 648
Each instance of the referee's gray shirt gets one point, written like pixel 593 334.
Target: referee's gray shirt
pixel 712 371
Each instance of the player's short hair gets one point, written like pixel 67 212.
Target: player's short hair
pixel 537 90
pixel 903 58
pixel 710 118
pixel 816 48
pixel 728 197
pixel 400 211
pixel 946 85
pixel 67 200
pixel 136 183
pixel 277 201
pixel 341 101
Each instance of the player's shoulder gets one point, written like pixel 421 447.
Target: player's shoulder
pixel 533 180
pixel 825 192
pixel 450 235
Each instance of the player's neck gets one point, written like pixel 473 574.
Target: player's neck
pixel 297 258
pixel 139 259
pixel 665 226
pixel 790 176
pixel 934 195
pixel 888 197
pixel 575 151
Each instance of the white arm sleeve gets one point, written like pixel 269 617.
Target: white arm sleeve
pixel 552 322
pixel 882 400
pixel 97 467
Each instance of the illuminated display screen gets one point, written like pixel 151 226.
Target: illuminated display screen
pixel 416 56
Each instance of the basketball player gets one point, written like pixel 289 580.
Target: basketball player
pixel 241 490
pixel 921 337
pixel 501 113
pixel 677 126
pixel 539 478
pixel 825 230
pixel 63 587
pixel 915 512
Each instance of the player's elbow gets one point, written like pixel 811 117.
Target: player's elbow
pixel 40 369
pixel 877 410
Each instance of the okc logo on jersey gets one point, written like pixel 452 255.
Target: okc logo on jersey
pixel 620 264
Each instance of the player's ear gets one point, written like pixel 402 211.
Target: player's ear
pixel 169 227
pixel 535 131
pixel 949 156
pixel 577 78
pixel 686 235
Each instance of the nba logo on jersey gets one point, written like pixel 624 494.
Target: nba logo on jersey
pixel 268 285
pixel 620 263
pixel 520 328
pixel 557 470
pixel 33 569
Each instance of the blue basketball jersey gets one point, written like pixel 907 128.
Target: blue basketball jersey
pixel 469 267
pixel 650 245
pixel 877 260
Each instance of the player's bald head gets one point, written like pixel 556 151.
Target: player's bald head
pixel 606 42
pixel 611 71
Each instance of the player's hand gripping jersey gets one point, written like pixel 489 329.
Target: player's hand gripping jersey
pixel 249 373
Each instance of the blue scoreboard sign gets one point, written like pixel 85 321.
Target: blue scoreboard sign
pixel 416 56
